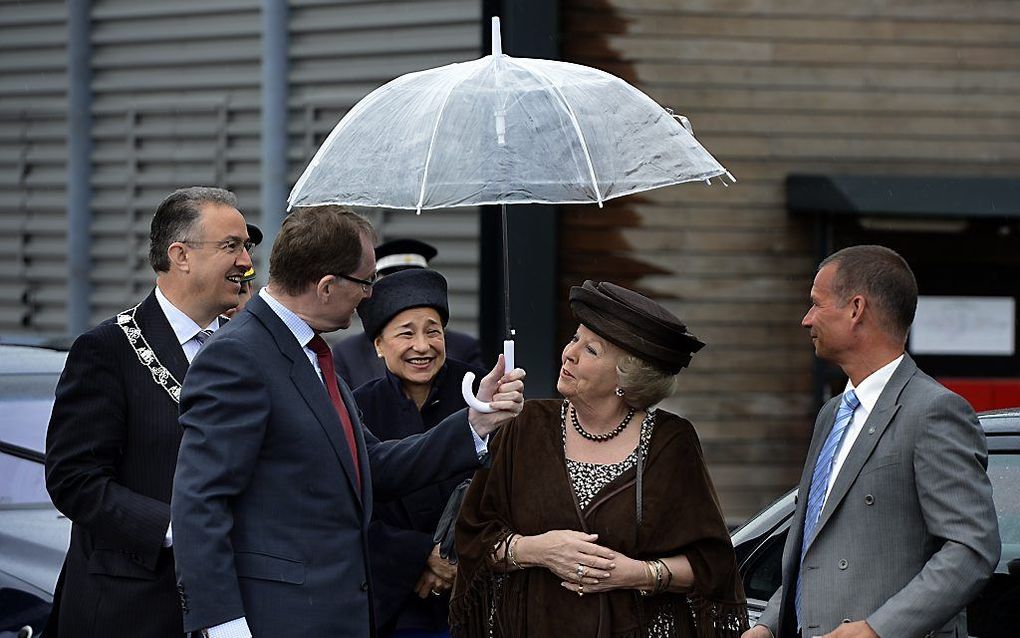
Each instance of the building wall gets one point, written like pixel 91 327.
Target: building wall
pixel 33 165
pixel 177 101
pixel 775 87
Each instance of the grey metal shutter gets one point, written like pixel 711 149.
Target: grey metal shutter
pixel 176 103
pixel 341 51
pixel 33 167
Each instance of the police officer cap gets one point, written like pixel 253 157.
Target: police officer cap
pixel 254 234
pixel 393 294
pixel 642 327
pixel 401 254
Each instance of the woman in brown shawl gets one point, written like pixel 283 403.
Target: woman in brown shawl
pixel 597 516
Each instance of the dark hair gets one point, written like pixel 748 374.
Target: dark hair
pixel 176 217
pixel 881 275
pixel 316 241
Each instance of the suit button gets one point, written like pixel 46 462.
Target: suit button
pixel 364 585
pixel 871 430
pixel 843 563
pixel 869 499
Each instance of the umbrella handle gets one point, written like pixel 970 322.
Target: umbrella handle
pixel 468 382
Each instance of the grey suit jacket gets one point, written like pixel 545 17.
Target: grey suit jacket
pixel 908 534
pixel 269 519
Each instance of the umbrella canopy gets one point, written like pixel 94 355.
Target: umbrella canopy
pixel 501 130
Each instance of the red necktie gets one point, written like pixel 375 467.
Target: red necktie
pixel 319 346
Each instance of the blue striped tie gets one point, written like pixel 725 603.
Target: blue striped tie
pixel 820 479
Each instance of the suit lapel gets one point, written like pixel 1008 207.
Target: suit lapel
pixel 161 337
pixel 871 433
pixel 823 425
pixel 311 388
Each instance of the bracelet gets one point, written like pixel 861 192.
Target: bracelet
pixel 510 551
pixel 669 574
pixel 658 576
pixel 651 579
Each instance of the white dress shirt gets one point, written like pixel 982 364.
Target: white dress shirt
pixel 867 393
pixel 185 329
pixel 184 326
pixel 238 628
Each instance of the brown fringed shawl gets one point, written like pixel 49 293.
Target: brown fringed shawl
pixel 527 490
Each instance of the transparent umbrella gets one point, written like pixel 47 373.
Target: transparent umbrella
pixel 502 130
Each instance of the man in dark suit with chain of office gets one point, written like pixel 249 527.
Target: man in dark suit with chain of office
pixel 895 530
pixel 111 446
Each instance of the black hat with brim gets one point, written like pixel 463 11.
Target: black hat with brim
pixel 635 323
pixel 401 254
pixel 254 234
pixel 393 294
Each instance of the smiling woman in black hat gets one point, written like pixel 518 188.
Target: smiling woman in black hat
pixel 405 318
pixel 597 516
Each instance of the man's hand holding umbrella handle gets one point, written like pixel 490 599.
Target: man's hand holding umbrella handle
pixel 502 393
pixel 467 384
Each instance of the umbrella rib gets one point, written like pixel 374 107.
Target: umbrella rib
pixel 577 126
pixel 432 143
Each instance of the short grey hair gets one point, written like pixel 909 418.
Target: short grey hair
pixel 643 384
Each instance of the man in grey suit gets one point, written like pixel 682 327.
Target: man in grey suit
pixel 895 530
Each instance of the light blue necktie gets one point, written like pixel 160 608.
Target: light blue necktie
pixel 201 337
pixel 820 478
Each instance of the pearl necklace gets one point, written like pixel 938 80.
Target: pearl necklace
pixel 600 438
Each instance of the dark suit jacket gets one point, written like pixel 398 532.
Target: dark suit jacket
pixel 356 360
pixel 400 537
pixel 268 519
pixel 111 448
pixel 908 533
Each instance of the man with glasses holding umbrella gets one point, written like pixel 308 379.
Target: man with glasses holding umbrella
pixel 276 475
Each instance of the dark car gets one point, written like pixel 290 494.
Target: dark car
pixel 994 614
pixel 33 534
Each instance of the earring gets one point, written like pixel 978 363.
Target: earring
pixel 379 354
pixel 619 392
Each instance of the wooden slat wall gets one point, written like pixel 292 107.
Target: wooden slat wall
pixel 774 87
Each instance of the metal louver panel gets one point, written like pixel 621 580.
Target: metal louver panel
pixel 33 167
pixel 341 51
pixel 176 103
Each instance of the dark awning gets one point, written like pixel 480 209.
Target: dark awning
pixel 958 197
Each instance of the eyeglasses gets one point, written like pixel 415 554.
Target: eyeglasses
pixel 366 284
pixel 230 246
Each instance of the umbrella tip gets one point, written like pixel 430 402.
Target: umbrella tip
pixel 497 40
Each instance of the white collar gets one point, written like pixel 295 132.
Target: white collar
pixel 183 326
pixel 297 326
pixel 871 387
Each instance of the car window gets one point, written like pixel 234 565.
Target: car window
pixel 764 575
pixel 24 482
pixel 24 422
pixel 26 401
pixel 1004 472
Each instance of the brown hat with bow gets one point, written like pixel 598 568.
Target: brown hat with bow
pixel 635 323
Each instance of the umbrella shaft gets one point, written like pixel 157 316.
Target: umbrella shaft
pixel 506 275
